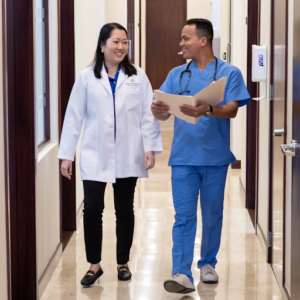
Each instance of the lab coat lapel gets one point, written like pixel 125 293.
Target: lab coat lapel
pixel 105 81
pixel 121 79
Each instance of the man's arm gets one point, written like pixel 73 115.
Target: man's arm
pixel 225 111
pixel 160 110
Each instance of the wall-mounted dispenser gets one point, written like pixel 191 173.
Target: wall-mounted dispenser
pixel 259 67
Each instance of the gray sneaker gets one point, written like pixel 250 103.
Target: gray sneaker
pixel 209 274
pixel 180 284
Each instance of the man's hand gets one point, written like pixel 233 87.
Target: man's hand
pixel 197 111
pixel 66 168
pixel 160 110
pixel 226 111
pixel 149 160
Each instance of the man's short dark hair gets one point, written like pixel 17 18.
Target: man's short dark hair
pixel 204 28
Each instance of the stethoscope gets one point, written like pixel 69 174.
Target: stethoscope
pixel 190 73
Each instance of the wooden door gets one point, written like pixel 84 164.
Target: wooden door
pixel 164 22
pixel 278 135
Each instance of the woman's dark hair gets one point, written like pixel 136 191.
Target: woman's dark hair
pixel 204 28
pixel 105 34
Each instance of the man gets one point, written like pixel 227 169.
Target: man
pixel 200 153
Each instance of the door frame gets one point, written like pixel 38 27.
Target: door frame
pixel 285 142
pixel 4 68
pixel 271 123
pixel 66 78
pixel 295 235
pixel 252 127
pixel 131 27
pixel 21 148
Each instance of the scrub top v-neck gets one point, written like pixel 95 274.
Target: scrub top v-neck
pixel 207 142
pixel 113 84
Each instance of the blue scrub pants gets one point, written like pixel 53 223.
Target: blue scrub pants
pixel 186 183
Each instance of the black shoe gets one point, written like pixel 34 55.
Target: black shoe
pixel 124 273
pixel 90 277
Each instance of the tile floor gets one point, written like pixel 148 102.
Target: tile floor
pixel 244 274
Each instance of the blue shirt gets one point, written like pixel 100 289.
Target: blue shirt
pixel 207 142
pixel 113 84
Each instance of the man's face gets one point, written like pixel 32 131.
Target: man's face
pixel 191 44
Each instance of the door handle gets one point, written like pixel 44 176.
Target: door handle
pixel 290 149
pixel 278 132
pixel 287 151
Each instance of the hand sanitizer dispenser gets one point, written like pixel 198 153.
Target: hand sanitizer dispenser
pixel 259 67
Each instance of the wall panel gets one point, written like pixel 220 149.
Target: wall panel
pixel 47 176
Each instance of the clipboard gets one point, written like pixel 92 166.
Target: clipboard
pixel 212 95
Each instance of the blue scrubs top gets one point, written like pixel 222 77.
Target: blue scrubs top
pixel 207 142
pixel 113 84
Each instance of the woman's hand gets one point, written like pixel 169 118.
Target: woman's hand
pixel 66 168
pixel 149 160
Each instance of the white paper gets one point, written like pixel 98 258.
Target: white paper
pixel 212 95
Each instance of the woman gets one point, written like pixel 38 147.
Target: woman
pixel 120 138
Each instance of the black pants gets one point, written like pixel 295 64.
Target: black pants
pixel 92 217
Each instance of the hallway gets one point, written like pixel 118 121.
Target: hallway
pixel 243 270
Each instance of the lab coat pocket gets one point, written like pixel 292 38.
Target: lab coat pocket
pixel 138 156
pixel 88 153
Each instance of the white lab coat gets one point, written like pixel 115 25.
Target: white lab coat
pixel 102 156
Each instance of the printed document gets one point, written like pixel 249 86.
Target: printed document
pixel 212 95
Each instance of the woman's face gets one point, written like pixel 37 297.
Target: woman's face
pixel 116 47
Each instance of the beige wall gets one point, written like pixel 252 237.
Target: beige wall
pixel 47 207
pixel 116 11
pixel 198 9
pixel 3 254
pixel 239 59
pixel 89 18
pixel 47 176
pixel 224 25
pixel 264 128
